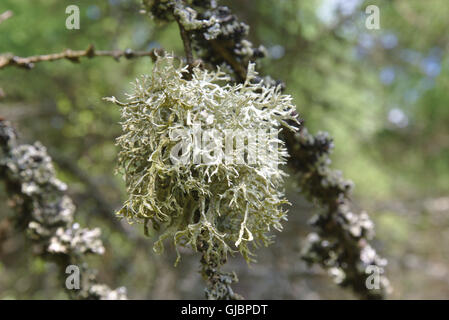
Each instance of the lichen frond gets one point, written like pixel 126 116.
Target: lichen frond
pixel 204 198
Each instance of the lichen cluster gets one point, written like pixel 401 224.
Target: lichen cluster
pixel 47 213
pixel 222 207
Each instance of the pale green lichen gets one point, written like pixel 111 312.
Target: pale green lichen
pixel 225 205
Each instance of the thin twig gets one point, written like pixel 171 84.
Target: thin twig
pixel 74 56
pixel 187 47
pixel 187 44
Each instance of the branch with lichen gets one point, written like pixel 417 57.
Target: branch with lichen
pixel 46 213
pixel 341 242
pixel 73 56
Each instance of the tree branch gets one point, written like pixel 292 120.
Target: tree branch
pixel 74 56
pixel 342 239
pixel 46 212
pixel 187 47
pixel 187 44
pixel 218 282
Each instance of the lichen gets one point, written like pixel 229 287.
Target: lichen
pixel 228 205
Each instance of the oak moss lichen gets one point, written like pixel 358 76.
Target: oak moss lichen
pixel 227 206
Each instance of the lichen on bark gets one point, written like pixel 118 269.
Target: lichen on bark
pixel 46 213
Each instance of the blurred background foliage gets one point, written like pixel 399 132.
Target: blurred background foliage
pixel 382 94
